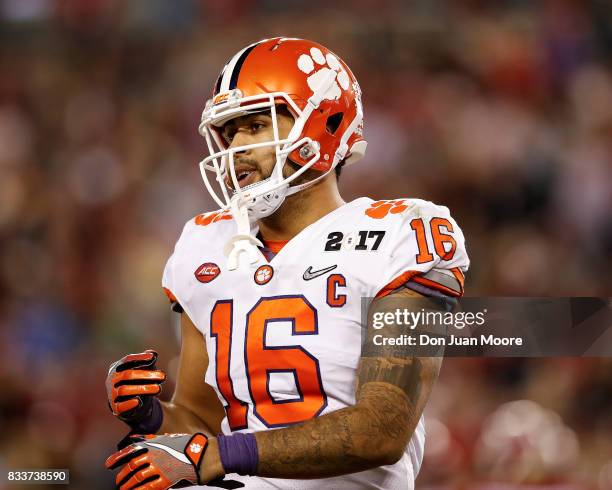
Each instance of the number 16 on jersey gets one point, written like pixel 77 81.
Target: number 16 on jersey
pixel 260 361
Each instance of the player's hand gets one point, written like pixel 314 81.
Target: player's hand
pixel 161 462
pixel 131 384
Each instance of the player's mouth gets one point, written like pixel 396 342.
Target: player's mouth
pixel 245 175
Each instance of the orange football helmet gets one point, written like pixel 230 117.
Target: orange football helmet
pixel 321 93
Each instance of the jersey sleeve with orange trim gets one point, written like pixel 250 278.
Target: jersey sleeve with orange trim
pixel 200 242
pixel 175 305
pixel 169 282
pixel 427 249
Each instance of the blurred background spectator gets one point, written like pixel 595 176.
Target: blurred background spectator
pixel 500 110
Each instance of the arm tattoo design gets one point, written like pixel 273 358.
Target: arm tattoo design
pixel 403 373
pixel 318 448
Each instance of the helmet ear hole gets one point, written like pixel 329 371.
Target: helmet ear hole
pixel 333 122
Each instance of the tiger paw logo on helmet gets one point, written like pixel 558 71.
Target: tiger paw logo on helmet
pixel 212 217
pixel 319 66
pixel 380 209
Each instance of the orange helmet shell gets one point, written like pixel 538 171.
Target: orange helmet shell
pixel 297 67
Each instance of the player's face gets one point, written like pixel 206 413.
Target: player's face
pixel 256 164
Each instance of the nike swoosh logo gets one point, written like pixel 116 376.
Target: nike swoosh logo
pixel 310 274
pixel 172 452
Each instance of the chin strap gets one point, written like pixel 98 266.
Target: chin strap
pixel 300 187
pixel 243 243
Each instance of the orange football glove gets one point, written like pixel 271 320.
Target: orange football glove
pixel 162 462
pixel 131 385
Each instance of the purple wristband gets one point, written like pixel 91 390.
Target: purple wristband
pixel 238 453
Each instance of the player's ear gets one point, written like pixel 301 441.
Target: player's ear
pixel 338 169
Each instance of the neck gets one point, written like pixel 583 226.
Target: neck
pixel 302 209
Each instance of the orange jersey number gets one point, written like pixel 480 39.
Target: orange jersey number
pixel 440 239
pixel 221 330
pixel 261 361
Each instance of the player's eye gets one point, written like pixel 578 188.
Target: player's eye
pixel 229 133
pixel 257 125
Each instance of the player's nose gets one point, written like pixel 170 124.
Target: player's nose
pixel 241 138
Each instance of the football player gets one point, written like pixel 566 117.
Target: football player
pixel 272 386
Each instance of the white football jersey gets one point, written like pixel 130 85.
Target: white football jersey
pixel 284 338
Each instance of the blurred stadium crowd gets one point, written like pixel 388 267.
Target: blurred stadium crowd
pixel 503 113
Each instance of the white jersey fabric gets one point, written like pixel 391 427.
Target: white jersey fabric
pixel 284 338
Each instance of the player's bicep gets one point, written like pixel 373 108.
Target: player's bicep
pixel 389 378
pixel 191 390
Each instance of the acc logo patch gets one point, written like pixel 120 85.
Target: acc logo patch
pixel 263 274
pixel 207 272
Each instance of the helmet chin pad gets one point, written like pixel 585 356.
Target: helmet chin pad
pixel 263 205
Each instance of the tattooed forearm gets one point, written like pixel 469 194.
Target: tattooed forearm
pixel 346 441
pixel 322 447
